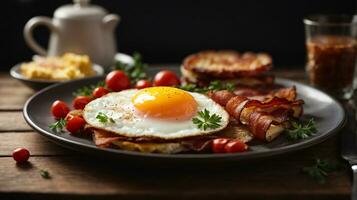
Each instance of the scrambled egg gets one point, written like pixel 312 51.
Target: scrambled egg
pixel 69 66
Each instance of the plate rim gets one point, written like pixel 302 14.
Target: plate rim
pixel 72 144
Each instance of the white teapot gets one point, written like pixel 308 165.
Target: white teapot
pixel 78 28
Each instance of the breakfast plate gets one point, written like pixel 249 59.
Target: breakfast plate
pixel 38 84
pixel 318 105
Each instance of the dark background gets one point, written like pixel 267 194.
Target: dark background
pixel 165 31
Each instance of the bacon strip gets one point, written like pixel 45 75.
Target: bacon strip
pixel 286 93
pixel 266 93
pixel 259 124
pixel 104 138
pixel 278 103
pixel 236 105
pixel 221 97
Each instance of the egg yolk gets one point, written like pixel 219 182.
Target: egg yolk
pixel 165 102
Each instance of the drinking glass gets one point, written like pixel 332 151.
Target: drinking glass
pixel 331 53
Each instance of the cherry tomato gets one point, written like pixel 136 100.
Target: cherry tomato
pixel 117 81
pixel 166 78
pixel 75 124
pixel 143 84
pixel 235 146
pixel 20 155
pixel 99 92
pixel 59 109
pixel 218 145
pixel 80 102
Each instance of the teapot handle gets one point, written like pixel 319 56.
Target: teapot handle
pixel 30 26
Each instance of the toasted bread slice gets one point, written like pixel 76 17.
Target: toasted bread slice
pixel 167 148
pixel 227 64
pixel 103 138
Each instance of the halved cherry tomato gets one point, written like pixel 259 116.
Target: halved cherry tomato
pixel 99 92
pixel 166 78
pixel 75 124
pixel 218 145
pixel 143 84
pixel 20 155
pixel 59 109
pixel 117 81
pixel 235 146
pixel 80 102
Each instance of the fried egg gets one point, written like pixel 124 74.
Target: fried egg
pixel 155 112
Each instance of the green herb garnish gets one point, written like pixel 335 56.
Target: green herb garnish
pixel 301 131
pixel 206 121
pixel 45 174
pixel 213 86
pixel 88 90
pixel 218 85
pixel 104 118
pixel 58 126
pixel 320 169
pixel 193 88
pixel 135 71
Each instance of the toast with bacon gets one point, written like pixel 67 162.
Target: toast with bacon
pixel 225 64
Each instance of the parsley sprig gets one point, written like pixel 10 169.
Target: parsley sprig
pixel 134 71
pixel 104 118
pixel 206 121
pixel 88 90
pixel 320 169
pixel 45 174
pixel 58 125
pixel 301 131
pixel 213 86
pixel 218 85
pixel 193 88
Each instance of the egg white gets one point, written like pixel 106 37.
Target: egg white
pixel 130 123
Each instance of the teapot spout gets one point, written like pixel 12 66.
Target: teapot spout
pixel 110 21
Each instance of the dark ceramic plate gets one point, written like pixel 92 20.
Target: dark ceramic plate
pixel 328 114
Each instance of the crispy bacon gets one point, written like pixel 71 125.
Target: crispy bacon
pixel 236 105
pixel 198 145
pixel 281 115
pixel 104 138
pixel 221 97
pixel 278 103
pixel 266 93
pixel 260 115
pixel 259 124
pixel 286 93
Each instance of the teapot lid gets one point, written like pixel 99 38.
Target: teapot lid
pixel 81 9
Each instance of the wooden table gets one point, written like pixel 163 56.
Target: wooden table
pixel 74 175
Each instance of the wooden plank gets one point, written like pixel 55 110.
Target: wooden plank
pixel 276 177
pixel 13 93
pixel 13 121
pixel 279 178
pixel 34 142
